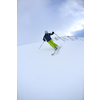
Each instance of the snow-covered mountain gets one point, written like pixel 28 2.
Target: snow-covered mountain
pixel 41 76
pixel 68 38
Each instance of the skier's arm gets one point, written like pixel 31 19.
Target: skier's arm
pixel 51 33
pixel 44 39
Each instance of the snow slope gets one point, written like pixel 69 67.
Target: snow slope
pixel 41 76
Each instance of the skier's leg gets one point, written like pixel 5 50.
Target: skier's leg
pixel 53 43
pixel 50 43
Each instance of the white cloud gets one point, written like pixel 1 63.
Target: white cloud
pixel 72 14
pixel 69 34
pixel 71 7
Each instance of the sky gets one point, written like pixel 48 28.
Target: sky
pixel 64 17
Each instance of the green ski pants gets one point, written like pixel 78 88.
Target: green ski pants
pixel 51 43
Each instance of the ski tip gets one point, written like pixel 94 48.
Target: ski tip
pixel 52 54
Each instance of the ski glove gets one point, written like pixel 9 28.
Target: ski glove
pixel 52 32
pixel 44 40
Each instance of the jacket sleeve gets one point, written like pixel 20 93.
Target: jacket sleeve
pixel 51 33
pixel 44 39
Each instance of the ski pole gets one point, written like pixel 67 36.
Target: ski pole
pixel 41 45
pixel 59 37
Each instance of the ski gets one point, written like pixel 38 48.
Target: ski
pixel 55 52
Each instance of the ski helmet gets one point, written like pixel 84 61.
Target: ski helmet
pixel 46 31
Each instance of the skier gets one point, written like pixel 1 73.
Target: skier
pixel 49 40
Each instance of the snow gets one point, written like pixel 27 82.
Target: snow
pixel 41 76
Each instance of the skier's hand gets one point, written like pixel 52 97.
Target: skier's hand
pixel 44 40
pixel 53 32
